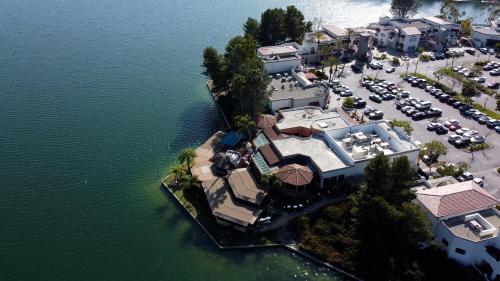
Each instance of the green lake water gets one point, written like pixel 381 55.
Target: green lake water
pixel 96 99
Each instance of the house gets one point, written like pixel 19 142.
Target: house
pixel 327 144
pixel 281 58
pixel 329 35
pixel 298 88
pixel 465 222
pixel 486 35
pixel 408 34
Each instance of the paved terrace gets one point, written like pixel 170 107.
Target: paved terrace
pixel 295 90
pixel 460 227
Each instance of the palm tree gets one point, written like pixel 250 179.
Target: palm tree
pixel 350 33
pixel 245 125
pixel 178 172
pixel 189 181
pixel 330 62
pixel 187 156
pixel 323 51
pixel 318 35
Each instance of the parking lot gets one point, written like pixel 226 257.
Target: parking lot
pixel 482 163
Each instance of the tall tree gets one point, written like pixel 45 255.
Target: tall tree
pixel 377 175
pixel 252 28
pixel 214 67
pixel 466 27
pixel 434 149
pixel 449 10
pixel 405 8
pixel 295 24
pixel 272 27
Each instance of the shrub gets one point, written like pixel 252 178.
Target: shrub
pixel 478 147
pixel 395 61
pixel 348 103
pixel 425 58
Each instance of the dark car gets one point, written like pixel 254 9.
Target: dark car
pixel 493 85
pixel 464 107
pixel 418 116
pixel 434 112
pixel 387 97
pixel 470 51
pixel 451 101
pixel 463 141
pixel 458 104
pixel 359 104
pixel 433 126
pixel 441 130
pixel 375 98
pixel 356 68
pixel 444 98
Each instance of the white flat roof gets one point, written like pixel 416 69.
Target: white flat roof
pixel 335 30
pixel 277 50
pixel 310 117
pixel 315 148
pixel 410 31
pixel 437 20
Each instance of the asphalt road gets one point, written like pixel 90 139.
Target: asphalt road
pixel 482 163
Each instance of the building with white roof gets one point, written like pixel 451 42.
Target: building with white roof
pixel 486 35
pixel 465 222
pixel 333 152
pixel 298 88
pixel 281 58
pixel 408 34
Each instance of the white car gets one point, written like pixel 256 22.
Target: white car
pixel 462 131
pixel 390 70
pixel 451 122
pixel 479 79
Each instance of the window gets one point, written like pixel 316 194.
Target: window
pixel 460 251
pixel 445 242
pixel 413 39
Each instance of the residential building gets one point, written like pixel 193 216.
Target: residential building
pixel 327 144
pixel 298 88
pixel 328 35
pixel 407 35
pixel 486 35
pixel 465 222
pixel 281 58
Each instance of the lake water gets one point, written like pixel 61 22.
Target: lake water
pixel 96 99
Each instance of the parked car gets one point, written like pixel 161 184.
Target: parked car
pixel 433 126
pixel 441 130
pixel 477 139
pixel 492 123
pixel 375 98
pixel 346 93
pixel 377 114
pixel 368 110
pixel 493 85
pixel 470 51
pixel 462 142
pixel 451 122
pixel 356 68
pixel 479 181
pixel 466 176
pixel 497 129
pixel 375 65
pixel 453 128
pixel 482 120
pixel 390 69
pixel 479 79
pixel 418 116
pixel 483 51
pixel 458 104
pixel 452 138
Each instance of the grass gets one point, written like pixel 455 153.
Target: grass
pixel 194 201
pixel 478 147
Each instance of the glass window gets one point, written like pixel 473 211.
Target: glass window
pixel 460 251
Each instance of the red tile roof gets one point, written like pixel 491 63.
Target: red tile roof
pixel 454 199
pixel 295 174
pixel 269 154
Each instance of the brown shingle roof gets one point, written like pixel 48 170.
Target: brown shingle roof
pixel 223 206
pixel 245 188
pixel 269 154
pixel 456 199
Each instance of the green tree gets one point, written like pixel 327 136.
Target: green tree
pixel 377 175
pixel 272 27
pixel 466 27
pixel 348 103
pixel 405 8
pixel 189 182
pixel 434 149
pixel 296 27
pixel 331 62
pixel 476 70
pixel 245 125
pixel 468 90
pixel 252 28
pixel 406 125
pixel 178 171
pixel 395 61
pixel 449 11
pixel 187 157
pixel 214 67
pixel 438 74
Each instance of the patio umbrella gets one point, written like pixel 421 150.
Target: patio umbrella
pixel 295 174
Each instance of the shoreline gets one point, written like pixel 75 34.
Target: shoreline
pixel 290 247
